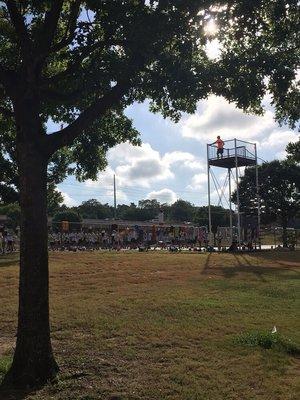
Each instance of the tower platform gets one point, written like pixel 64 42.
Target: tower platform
pixel 241 155
pixel 229 162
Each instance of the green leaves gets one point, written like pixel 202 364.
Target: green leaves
pixel 293 150
pixel 89 150
pixel 268 340
pixel 262 38
pixel 279 184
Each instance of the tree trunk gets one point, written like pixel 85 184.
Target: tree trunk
pixel 33 362
pixel 284 233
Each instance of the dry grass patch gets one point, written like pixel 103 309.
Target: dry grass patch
pixel 164 326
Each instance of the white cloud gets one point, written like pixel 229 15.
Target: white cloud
pixel 120 195
pixel 105 179
pixel 143 173
pixel 134 166
pixel 273 146
pixel 279 139
pixel 142 166
pixel 125 151
pixel 163 196
pixel 185 159
pixel 216 116
pixel 198 181
pixel 178 156
pixel 68 200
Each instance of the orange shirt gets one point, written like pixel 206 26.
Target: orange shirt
pixel 220 143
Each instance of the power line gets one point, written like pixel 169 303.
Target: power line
pixel 130 190
pixel 125 188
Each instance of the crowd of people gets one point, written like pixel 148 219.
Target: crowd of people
pixel 7 242
pixel 142 238
pixel 127 238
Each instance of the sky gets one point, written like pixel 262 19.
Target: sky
pixel 171 162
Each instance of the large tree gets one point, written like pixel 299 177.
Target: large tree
pixel 279 185
pixel 81 63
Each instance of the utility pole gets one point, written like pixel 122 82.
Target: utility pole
pixel 115 198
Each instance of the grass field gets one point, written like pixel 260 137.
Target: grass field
pixel 167 326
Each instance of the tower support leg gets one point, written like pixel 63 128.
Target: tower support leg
pixel 258 198
pixel 237 196
pixel 208 191
pixel 230 205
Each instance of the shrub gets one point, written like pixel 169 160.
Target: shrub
pixel 5 363
pixel 267 340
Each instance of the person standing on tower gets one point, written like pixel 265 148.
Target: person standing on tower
pixel 220 146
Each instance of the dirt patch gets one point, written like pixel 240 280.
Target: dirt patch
pixel 6 345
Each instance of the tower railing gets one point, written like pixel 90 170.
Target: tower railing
pixel 242 149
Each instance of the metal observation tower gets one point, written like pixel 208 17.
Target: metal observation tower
pixel 236 154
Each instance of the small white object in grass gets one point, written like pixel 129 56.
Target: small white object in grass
pixel 274 330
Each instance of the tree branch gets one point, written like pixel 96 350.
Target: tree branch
pixel 6 112
pixel 54 95
pixel 70 68
pixel 72 23
pixel 97 109
pixel 46 45
pixel 50 24
pixel 85 51
pixel 7 77
pixel 20 27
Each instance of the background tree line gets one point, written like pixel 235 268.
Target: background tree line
pixel 145 210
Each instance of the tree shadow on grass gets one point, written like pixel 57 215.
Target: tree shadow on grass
pixel 244 265
pixel 253 266
pixel 8 262
pixel 11 393
pixel 8 393
pixel 206 265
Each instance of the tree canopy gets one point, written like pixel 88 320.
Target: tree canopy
pixel 94 209
pixel 293 151
pixel 219 217
pixel 279 185
pixel 12 211
pixel 91 59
